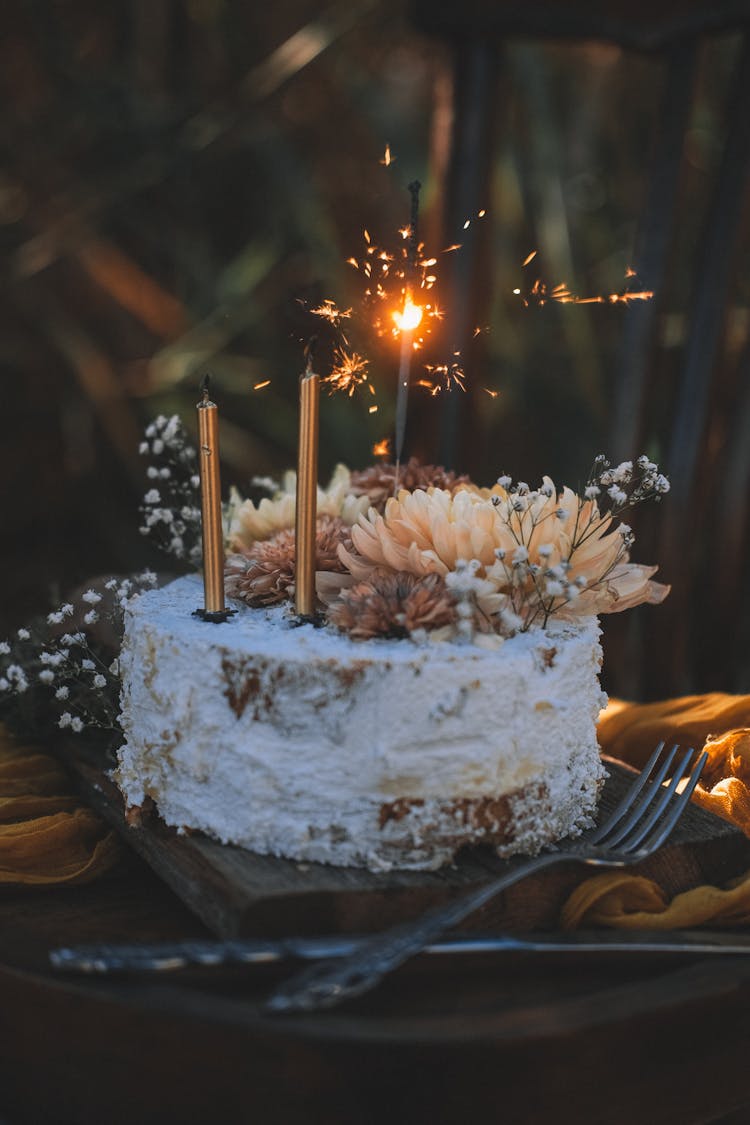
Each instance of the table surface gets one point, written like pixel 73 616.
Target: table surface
pixel 580 1038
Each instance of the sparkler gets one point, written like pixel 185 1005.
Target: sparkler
pixel 407 321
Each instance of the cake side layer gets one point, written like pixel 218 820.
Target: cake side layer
pixel 300 742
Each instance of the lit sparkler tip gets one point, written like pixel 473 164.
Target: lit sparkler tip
pixel 491 393
pixel 409 318
pixel 387 158
pixel 382 448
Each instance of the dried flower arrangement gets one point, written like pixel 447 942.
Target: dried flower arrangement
pixel 63 670
pixel 443 559
pixel 451 559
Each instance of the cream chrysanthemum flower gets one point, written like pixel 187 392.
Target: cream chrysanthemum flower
pixel 428 532
pixel 546 552
pixel 250 523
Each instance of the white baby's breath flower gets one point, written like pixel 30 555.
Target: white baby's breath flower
pixel 55 618
pixel 76 724
pixel 143 448
pixel 554 588
pixel 591 491
pixel 616 495
pixel 625 530
pixel 47 676
pixel 195 480
pixel 88 665
pixel 505 481
pixel 100 681
pixel 562 514
pixel 520 555
pixel 91 617
pixel 623 472
pixel 661 484
pixel 153 496
pixel 545 550
pixel 23 635
pixel 4 648
pixel 110 584
pixel 4 685
pixel 62 692
pixel 65 720
pixel 152 472
pixel 91 597
pixel 114 667
pixel 157 446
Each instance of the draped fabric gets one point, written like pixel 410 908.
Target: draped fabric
pixel 630 731
pixel 47 836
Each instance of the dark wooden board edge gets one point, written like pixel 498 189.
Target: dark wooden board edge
pixel 238 893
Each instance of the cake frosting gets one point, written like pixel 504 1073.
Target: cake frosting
pixel 298 741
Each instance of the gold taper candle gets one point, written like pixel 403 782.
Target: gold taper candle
pixel 211 522
pixel 306 525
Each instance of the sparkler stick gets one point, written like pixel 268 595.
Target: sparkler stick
pixel 409 320
pixel 307 488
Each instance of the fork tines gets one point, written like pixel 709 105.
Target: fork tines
pixel 649 811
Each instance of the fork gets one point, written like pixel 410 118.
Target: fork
pixel 630 834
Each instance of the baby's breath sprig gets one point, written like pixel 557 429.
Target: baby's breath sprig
pixel 63 672
pixel 170 511
pixel 617 487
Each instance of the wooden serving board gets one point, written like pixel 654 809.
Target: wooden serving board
pixel 238 893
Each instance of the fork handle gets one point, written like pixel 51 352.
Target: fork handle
pixel 330 982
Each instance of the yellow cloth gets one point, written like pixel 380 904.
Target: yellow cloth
pixel 630 731
pixel 46 836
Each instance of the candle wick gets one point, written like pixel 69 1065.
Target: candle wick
pixel 310 347
pixel 204 387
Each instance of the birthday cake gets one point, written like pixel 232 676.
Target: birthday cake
pixel 446 695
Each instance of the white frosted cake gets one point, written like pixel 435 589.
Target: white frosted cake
pixel 302 742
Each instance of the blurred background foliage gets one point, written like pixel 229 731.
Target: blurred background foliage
pixel 178 178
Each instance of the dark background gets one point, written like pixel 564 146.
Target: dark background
pixel 177 175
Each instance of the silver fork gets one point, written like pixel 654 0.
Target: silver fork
pixel 633 832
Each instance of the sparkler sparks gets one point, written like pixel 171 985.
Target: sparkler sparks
pixel 540 293
pixel 330 312
pixel 382 448
pixel 260 386
pixel 444 377
pixel 349 371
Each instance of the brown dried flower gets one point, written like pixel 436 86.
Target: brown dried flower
pixel 393 604
pixel 265 573
pixel 377 481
